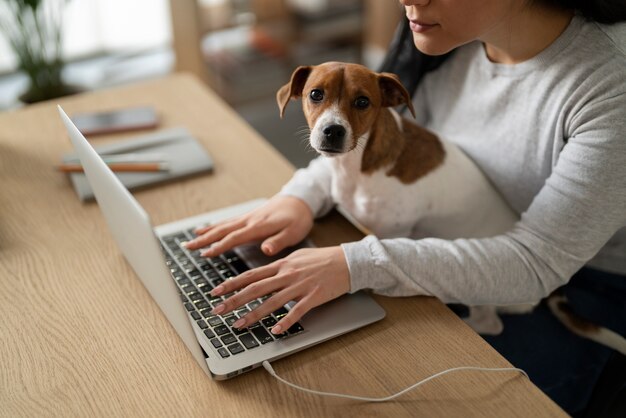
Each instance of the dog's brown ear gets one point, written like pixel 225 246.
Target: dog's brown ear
pixel 393 92
pixel 293 88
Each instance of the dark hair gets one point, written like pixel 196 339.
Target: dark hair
pixel 406 61
pixel 601 11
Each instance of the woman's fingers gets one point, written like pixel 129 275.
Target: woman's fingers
pixel 214 233
pixel 237 237
pixel 245 279
pixel 270 305
pixel 251 292
pixel 278 242
pixel 295 314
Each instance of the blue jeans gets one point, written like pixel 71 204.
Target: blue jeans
pixel 564 366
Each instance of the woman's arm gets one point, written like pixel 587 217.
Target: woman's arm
pixel 312 185
pixel 581 205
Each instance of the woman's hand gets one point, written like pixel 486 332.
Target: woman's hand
pixel 281 222
pixel 309 276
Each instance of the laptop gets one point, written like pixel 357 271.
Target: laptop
pixel 180 280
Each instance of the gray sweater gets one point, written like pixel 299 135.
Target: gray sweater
pixel 550 134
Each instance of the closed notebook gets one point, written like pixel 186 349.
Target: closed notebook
pixel 184 156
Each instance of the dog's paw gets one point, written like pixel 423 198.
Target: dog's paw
pixel 484 320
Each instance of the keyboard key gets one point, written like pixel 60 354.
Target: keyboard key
pixel 221 330
pixel 189 289
pixel 201 281
pixel 295 329
pixel 223 352
pixel 183 281
pixel 262 335
pixel 202 324
pixel 195 315
pixel 215 321
pixel 184 298
pixel 279 313
pixel 269 321
pixel 189 307
pixel 209 333
pixel 220 266
pixel 205 288
pixel 240 331
pixel 239 266
pixel 216 343
pixel 193 271
pixel 206 313
pixel 248 341
pixel 230 320
pixel 196 296
pixel 242 312
pixel 229 339
pixel 235 348
pixel 254 304
pixel 230 255
pixel 202 304
pixel 227 274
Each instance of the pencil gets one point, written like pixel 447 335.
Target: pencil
pixel 119 167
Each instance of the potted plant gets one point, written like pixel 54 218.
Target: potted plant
pixel 33 29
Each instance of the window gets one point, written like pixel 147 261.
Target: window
pixel 94 27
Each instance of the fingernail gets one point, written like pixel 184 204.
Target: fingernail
pixel 218 309
pixel 217 291
pixel 239 323
pixel 268 249
pixel 277 329
pixel 185 243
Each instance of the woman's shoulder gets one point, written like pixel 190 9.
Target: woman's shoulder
pixel 595 62
pixel 613 36
pixel 602 49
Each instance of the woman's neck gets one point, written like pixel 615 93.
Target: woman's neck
pixel 525 33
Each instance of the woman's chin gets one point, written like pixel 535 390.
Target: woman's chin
pixel 432 46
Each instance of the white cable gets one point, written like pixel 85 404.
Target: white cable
pixel 271 371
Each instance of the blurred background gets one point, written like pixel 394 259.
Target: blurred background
pixel 243 49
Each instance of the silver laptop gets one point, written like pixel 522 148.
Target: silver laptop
pixel 180 280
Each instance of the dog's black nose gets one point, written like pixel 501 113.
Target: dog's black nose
pixel 334 132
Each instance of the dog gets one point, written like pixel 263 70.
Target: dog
pixel 397 179
pixel 391 176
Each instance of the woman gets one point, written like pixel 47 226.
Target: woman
pixel 535 94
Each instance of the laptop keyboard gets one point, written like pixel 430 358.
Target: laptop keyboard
pixel 196 276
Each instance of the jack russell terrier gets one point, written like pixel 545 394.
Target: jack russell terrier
pixel 392 176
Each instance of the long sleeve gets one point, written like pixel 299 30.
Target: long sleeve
pixel 312 184
pixel 578 209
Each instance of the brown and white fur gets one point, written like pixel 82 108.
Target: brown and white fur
pixel 392 176
pixel 400 180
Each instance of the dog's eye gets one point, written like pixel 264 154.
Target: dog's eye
pixel 317 95
pixel 362 102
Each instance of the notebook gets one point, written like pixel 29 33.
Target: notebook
pixel 180 281
pixel 185 157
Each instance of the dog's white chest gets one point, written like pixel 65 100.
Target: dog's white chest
pixel 454 200
pixel 377 201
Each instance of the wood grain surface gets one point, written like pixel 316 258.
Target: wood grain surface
pixel 80 336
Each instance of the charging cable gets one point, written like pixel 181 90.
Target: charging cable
pixel 271 371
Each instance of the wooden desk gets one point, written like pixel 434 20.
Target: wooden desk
pixel 80 336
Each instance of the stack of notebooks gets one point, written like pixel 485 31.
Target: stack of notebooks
pixel 178 152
